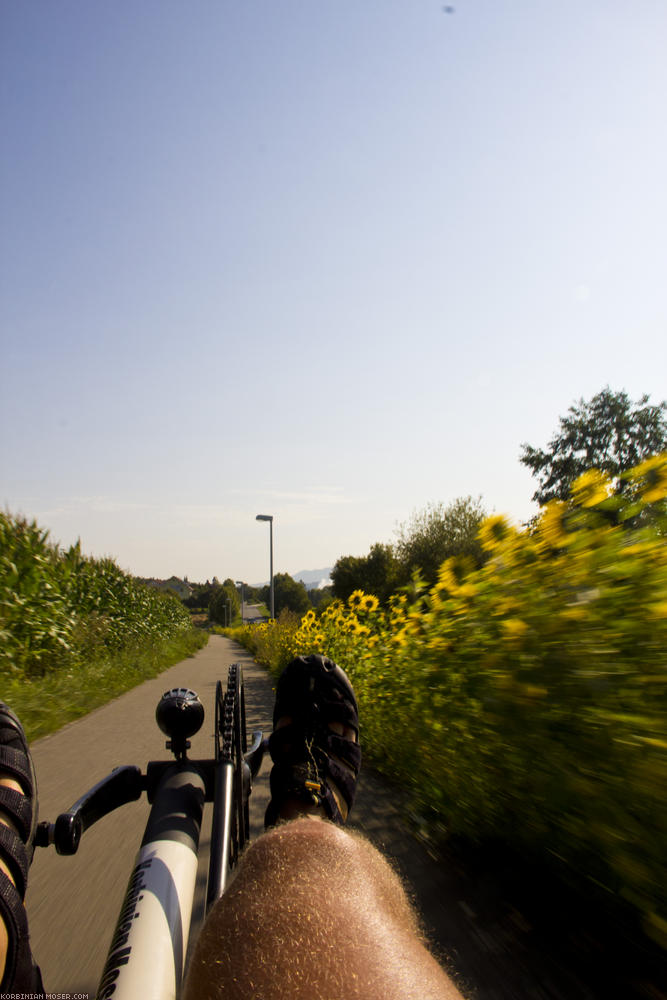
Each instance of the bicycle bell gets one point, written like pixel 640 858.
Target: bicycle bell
pixel 179 714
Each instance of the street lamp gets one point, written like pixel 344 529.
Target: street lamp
pixel 239 583
pixel 269 518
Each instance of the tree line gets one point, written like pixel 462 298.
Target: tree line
pixel 222 601
pixel 609 432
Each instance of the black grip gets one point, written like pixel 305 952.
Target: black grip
pixel 124 784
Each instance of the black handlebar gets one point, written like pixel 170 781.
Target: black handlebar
pixel 124 784
pixel 179 715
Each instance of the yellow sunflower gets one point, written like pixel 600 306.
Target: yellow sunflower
pixel 591 488
pixel 493 531
pixel 356 599
pixel 654 474
pixel 552 524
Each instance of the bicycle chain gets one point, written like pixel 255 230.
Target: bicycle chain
pixel 228 709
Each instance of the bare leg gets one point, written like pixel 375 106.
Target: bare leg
pixel 315 913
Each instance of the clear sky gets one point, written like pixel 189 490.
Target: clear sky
pixel 329 260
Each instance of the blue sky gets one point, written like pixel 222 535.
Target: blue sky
pixel 326 261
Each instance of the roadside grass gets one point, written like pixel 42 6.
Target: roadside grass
pixel 45 704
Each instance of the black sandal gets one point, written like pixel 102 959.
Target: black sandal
pixel 308 756
pixel 16 850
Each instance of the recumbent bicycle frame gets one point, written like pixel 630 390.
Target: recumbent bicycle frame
pixel 148 950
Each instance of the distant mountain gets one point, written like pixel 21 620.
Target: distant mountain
pixel 314 578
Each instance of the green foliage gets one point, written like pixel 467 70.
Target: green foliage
pixel 607 432
pixel 436 533
pixel 201 594
pixel 431 535
pixel 320 597
pixel 60 608
pixel 46 703
pixel 225 602
pixel 527 699
pixel 271 643
pixel 377 573
pixel 289 595
pixel 252 594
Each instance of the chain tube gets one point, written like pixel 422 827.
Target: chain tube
pixel 230 751
pixel 231 744
pixel 217 735
pixel 239 746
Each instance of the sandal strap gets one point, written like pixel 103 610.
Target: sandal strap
pixel 16 763
pixel 21 975
pixel 346 780
pixel 298 782
pixel 287 745
pixel 14 917
pixel 305 784
pixel 13 853
pixel 294 777
pixel 315 689
pixel 308 756
pixel 19 809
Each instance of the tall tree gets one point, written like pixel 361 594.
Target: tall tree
pixel 607 432
pixel 288 594
pixel 376 573
pixel 224 600
pixel 436 533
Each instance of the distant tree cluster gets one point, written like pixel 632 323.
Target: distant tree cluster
pixel 431 536
pixel 438 533
pixel 377 573
pixel 225 603
pixel 607 432
pixel 201 595
pixel 288 594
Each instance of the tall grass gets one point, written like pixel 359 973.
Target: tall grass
pixel 46 703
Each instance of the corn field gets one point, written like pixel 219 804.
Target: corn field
pixel 59 608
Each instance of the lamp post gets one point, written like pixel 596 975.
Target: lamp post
pixel 269 518
pixel 239 583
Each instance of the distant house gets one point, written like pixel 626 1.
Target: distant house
pixel 184 590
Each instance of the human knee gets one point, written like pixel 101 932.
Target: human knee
pixel 340 866
pixel 308 833
pixel 314 911
pixel 289 851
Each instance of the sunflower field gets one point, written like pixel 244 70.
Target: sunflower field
pixel 527 700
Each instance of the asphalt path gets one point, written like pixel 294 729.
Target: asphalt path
pixel 251 611
pixel 73 902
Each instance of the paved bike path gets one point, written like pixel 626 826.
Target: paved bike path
pixel 73 903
